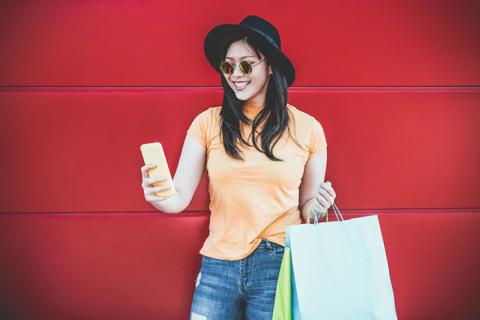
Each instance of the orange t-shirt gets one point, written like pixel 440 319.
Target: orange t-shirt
pixel 257 198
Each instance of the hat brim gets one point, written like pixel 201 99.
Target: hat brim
pixel 217 36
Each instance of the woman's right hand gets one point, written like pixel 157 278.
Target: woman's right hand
pixel 148 189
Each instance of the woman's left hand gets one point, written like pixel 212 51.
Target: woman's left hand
pixel 325 197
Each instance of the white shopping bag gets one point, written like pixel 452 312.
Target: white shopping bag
pixel 340 270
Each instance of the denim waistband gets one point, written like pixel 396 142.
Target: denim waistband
pixel 268 244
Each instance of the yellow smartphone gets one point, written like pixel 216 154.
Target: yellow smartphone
pixel 153 153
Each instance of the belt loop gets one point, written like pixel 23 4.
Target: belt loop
pixel 269 245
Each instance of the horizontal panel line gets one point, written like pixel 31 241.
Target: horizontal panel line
pixel 373 86
pixel 300 89
pixel 429 211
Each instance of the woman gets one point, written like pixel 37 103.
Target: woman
pixel 266 162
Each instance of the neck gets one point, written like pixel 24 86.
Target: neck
pixel 252 107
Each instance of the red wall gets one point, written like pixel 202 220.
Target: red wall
pixel 395 85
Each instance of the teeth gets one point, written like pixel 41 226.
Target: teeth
pixel 242 86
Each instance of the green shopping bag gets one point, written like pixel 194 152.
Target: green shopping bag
pixel 286 303
pixel 282 309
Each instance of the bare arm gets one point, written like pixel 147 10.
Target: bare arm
pixel 187 176
pixel 313 177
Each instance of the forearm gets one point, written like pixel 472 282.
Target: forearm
pixel 172 205
pixel 308 206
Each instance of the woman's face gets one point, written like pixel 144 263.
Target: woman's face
pixel 256 82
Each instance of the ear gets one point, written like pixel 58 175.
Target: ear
pixel 270 70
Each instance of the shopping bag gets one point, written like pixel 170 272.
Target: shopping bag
pixel 286 301
pixel 282 309
pixel 339 270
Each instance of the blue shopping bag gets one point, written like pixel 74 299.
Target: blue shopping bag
pixel 340 270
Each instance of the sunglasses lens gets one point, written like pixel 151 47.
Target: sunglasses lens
pixel 245 67
pixel 226 67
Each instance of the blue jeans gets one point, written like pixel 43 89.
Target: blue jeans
pixel 242 289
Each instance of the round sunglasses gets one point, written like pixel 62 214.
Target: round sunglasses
pixel 245 66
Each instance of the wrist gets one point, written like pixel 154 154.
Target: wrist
pixel 316 211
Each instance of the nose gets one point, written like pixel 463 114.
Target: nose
pixel 237 71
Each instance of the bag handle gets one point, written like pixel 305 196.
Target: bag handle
pixel 315 216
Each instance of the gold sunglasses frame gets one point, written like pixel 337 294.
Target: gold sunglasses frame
pixel 234 66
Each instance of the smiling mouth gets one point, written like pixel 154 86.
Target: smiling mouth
pixel 241 85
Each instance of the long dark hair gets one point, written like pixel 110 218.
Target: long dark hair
pixel 275 113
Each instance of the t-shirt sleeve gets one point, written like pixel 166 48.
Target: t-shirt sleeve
pixel 318 141
pixel 199 128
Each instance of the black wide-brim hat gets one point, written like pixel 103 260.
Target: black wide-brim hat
pixel 256 28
